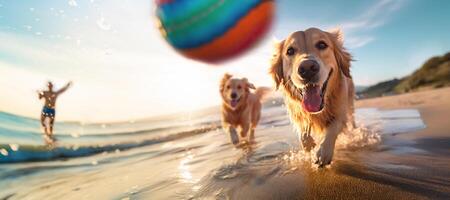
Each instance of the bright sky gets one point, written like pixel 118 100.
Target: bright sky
pixel 122 69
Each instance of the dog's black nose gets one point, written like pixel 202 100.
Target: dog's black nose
pixel 308 69
pixel 233 95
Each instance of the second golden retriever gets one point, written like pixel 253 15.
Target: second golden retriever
pixel 313 69
pixel 241 108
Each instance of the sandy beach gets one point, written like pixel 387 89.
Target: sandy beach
pixel 400 151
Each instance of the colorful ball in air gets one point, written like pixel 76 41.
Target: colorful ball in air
pixel 214 30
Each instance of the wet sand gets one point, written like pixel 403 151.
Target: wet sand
pixel 423 171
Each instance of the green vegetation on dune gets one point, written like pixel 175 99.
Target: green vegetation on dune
pixel 434 73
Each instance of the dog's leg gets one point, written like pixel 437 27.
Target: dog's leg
pixel 233 135
pixel 307 142
pixel 228 128
pixel 325 153
pixel 252 134
pixel 244 130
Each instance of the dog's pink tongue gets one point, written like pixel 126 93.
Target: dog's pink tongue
pixel 312 99
pixel 234 103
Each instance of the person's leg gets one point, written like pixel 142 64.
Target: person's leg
pixel 43 123
pixel 52 120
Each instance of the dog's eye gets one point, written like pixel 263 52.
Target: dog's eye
pixel 228 87
pixel 239 87
pixel 321 45
pixel 290 51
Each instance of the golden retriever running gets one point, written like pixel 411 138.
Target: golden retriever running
pixel 313 69
pixel 240 107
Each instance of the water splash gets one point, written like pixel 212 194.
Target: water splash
pixel 356 138
pixel 4 152
pixel 14 147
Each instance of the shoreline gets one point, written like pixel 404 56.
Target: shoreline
pixel 433 105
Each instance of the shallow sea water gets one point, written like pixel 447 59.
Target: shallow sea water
pixel 185 157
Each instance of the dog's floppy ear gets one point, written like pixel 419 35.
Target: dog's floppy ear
pixel 249 85
pixel 224 80
pixel 342 56
pixel 276 68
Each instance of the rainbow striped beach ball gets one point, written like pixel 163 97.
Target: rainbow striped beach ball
pixel 213 30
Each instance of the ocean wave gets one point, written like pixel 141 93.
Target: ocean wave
pixel 13 153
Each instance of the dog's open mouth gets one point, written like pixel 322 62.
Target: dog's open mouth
pixel 234 102
pixel 314 96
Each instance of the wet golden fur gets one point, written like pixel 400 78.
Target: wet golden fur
pixel 246 113
pixel 338 97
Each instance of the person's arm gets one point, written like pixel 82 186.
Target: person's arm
pixel 64 88
pixel 40 94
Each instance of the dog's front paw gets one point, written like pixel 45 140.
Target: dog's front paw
pixel 307 142
pixel 324 155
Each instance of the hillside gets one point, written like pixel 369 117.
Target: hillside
pixel 379 89
pixel 434 73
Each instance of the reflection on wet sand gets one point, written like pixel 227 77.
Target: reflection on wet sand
pixel 379 173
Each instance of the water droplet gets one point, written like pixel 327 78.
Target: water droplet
pixel 94 162
pixel 4 152
pixel 38 33
pixel 31 9
pixel 37 19
pixel 78 42
pixel 73 3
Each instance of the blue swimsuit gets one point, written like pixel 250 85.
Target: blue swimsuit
pixel 48 112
